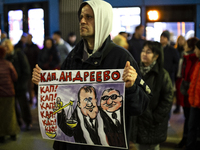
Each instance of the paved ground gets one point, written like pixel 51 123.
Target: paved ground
pixel 32 140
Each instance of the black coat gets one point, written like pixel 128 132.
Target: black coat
pixel 107 57
pixel 20 62
pixel 135 47
pixel 48 59
pixel 171 61
pixel 77 131
pixel 151 126
pixel 115 135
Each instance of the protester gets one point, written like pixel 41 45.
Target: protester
pixel 180 48
pixel 193 142
pixel 32 52
pixel 8 75
pixel 150 128
pixel 96 51
pixel 20 62
pixel 48 56
pixel 21 43
pixel 189 62
pixel 61 46
pixel 136 42
pixel 171 57
pixel 71 41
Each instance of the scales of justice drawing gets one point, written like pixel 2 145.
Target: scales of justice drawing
pixel 59 106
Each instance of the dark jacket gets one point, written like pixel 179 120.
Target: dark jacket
pixel 8 75
pixel 135 47
pixel 107 57
pixel 171 61
pixel 20 62
pixel 32 53
pixel 77 132
pixel 48 59
pixel 115 135
pixel 151 126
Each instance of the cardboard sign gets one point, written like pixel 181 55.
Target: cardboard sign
pixel 83 107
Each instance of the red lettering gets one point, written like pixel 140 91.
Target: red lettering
pixel 86 74
pixel 42 77
pixel 106 75
pixel 54 76
pixel 62 77
pixel 49 77
pixel 98 76
pixel 42 114
pixel 78 77
pixel 42 106
pixel 115 75
pixel 42 90
pixel 92 76
pixel 69 76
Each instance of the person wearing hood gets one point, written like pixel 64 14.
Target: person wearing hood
pixel 97 51
pixel 150 128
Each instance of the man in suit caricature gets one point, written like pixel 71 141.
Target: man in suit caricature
pixel 112 115
pixel 89 127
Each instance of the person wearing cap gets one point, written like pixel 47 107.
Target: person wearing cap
pixel 171 56
pixel 194 99
pixel 97 51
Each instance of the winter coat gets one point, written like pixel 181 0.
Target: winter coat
pixel 171 61
pixel 20 62
pixel 135 47
pixel 8 75
pixel 151 126
pixel 188 66
pixel 32 53
pixel 48 59
pixel 113 57
pixel 194 89
pixel 105 55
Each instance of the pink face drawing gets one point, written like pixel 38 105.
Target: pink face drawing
pixel 111 100
pixel 88 103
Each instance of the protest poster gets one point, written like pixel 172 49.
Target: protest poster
pixel 83 107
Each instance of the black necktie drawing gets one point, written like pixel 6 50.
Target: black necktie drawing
pixel 117 123
pixel 91 121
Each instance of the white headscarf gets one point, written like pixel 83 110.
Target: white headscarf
pixel 103 15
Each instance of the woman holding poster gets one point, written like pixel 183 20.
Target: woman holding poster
pixel 150 129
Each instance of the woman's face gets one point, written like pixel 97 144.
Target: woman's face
pixel 147 56
pixel 48 44
pixel 181 41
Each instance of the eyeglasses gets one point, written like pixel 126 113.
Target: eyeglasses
pixel 113 97
pixel 147 52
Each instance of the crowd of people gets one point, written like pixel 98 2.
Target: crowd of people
pixel 17 91
pixel 180 61
pixel 157 65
